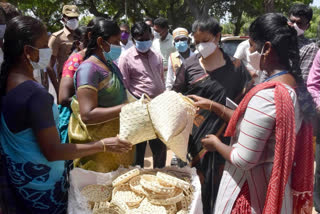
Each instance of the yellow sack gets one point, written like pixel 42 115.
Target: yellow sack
pixel 80 133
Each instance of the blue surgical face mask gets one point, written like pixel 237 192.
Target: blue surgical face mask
pixel 143 46
pixel 182 46
pixel 113 54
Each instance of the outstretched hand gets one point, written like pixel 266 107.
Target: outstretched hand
pixel 209 142
pixel 114 144
pixel 201 102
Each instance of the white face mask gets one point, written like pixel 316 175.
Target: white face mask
pixel 44 58
pixel 72 24
pixel 206 48
pixel 156 35
pixel 299 30
pixel 254 59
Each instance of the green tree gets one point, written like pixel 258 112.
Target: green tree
pixel 312 32
pixel 49 11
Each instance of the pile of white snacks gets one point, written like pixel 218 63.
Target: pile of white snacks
pixel 141 192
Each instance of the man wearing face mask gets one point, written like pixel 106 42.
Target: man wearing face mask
pixel 181 43
pixel 142 72
pixel 125 40
pixel 163 40
pixel 61 42
pixel 300 16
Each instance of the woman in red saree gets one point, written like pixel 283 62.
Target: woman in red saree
pixel 269 165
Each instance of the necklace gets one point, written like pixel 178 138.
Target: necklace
pixel 276 75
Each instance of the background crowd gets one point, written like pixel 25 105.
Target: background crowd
pixel 251 141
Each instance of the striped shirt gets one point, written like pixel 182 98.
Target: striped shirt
pixel 307 52
pixel 253 154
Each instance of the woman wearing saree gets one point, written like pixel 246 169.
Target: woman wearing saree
pixel 269 166
pixel 66 88
pixel 210 74
pixel 31 151
pixel 100 94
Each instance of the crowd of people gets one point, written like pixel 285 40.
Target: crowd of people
pixel 252 139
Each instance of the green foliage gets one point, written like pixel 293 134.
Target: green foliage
pixel 49 11
pixel 228 28
pixel 85 20
pixel 180 13
pixel 315 22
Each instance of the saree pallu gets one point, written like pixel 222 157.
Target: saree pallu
pixel 64 117
pixel 39 185
pixel 211 164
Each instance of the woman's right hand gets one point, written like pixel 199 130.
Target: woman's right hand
pixel 201 102
pixel 114 144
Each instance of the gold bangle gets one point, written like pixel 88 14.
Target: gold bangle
pixel 104 145
pixel 224 108
pixel 210 106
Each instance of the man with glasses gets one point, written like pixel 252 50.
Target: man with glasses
pixel 300 16
pixel 182 44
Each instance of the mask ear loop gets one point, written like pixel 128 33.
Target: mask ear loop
pixel 28 55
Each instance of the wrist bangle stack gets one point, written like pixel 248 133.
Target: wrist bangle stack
pixel 224 109
pixel 104 145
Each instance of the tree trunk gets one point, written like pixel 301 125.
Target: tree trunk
pixel 194 8
pixel 238 24
pixel 268 6
pixel 171 13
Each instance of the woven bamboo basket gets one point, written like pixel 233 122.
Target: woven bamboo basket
pixel 174 180
pixel 172 116
pixel 135 122
pixel 125 177
pixel 177 197
pixel 123 193
pixel 136 186
pixel 96 193
pixel 152 183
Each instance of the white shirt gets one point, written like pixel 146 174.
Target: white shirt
pixel 164 48
pixel 242 54
pixel 171 76
pixel 125 47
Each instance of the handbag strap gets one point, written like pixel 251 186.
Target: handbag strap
pixel 145 96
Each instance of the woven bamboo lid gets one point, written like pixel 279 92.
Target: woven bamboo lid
pixel 96 193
